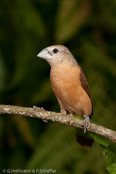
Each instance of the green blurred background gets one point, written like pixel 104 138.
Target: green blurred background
pixel 88 29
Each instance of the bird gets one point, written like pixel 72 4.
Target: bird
pixel 69 83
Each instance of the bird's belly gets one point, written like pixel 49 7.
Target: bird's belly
pixel 71 94
pixel 73 98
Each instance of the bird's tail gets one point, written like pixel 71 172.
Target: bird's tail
pixel 85 140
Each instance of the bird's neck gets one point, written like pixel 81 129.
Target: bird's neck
pixel 64 70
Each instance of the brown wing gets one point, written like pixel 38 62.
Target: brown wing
pixel 85 86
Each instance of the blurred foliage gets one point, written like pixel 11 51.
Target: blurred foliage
pixel 88 29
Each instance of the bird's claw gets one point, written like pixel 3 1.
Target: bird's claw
pixel 86 123
pixel 63 112
pixel 38 108
pixel 35 108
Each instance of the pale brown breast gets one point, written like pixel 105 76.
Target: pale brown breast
pixel 66 84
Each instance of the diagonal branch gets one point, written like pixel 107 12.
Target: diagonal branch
pixel 57 117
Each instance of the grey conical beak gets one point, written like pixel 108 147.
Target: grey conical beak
pixel 44 54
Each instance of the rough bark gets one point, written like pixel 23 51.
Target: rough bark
pixel 57 117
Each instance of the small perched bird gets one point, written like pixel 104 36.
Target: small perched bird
pixel 68 82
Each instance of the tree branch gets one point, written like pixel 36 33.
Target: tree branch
pixel 57 117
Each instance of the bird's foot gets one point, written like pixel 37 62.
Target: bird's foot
pixel 63 112
pixel 39 109
pixel 86 123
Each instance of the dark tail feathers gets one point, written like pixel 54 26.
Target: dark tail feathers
pixel 84 139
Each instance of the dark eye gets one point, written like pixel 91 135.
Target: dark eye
pixel 55 50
